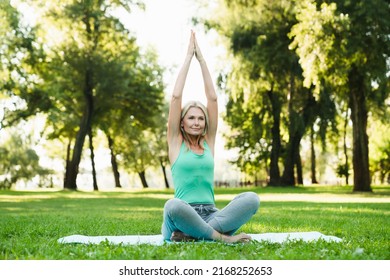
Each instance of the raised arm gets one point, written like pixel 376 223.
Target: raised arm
pixel 212 101
pixel 173 133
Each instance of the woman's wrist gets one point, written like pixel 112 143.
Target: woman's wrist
pixel 201 60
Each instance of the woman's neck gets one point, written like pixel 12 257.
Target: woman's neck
pixel 194 141
pixel 194 144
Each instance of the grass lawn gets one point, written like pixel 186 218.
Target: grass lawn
pixel 32 222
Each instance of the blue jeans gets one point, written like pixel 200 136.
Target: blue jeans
pixel 199 220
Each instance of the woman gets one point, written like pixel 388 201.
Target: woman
pixel 192 130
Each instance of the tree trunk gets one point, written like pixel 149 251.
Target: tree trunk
pixel 274 172
pixel 288 178
pixel 86 120
pixel 114 162
pixel 143 179
pixel 67 161
pixel 297 126
pixel 85 124
pixel 313 157
pixel 361 170
pixel 298 164
pixel 95 186
pixel 345 149
pixel 165 174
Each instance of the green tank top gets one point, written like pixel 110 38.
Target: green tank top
pixel 193 176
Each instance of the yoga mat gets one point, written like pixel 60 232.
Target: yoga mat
pixel 158 239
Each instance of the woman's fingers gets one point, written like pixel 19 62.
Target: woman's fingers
pixel 191 45
pixel 198 53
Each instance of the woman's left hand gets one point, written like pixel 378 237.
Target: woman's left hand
pixel 198 53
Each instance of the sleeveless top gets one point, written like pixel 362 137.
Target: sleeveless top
pixel 193 176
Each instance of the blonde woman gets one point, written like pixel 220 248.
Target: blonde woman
pixel 192 129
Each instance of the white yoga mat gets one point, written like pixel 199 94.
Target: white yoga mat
pixel 158 239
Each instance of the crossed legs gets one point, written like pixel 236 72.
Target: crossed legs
pixel 220 225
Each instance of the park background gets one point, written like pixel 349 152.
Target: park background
pixel 304 97
pixel 285 75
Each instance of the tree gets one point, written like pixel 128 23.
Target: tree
pixel 136 151
pixel 18 160
pixel 380 152
pixel 266 80
pixel 90 22
pixel 141 147
pixel 86 74
pixel 102 72
pixel 254 80
pixel 137 104
pixel 114 161
pixel 346 44
pixel 20 53
pixel 159 138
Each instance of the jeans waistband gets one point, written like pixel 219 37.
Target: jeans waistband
pixel 200 208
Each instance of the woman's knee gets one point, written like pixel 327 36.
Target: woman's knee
pixel 174 205
pixel 252 200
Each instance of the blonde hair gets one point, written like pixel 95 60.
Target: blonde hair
pixel 184 111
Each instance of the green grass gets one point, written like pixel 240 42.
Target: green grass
pixel 32 222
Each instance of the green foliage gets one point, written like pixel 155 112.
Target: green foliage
pixel 330 38
pixel 269 109
pixel 90 73
pixel 314 38
pixel 125 81
pixel 19 54
pixel 251 76
pixel 380 153
pixel 339 50
pixel 346 45
pixel 19 161
pixel 342 170
pixel 136 148
pixel 32 223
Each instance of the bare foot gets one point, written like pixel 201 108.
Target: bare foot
pixel 239 238
pixel 178 236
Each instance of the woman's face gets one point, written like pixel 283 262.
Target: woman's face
pixel 194 121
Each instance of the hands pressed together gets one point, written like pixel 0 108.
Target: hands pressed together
pixel 193 48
